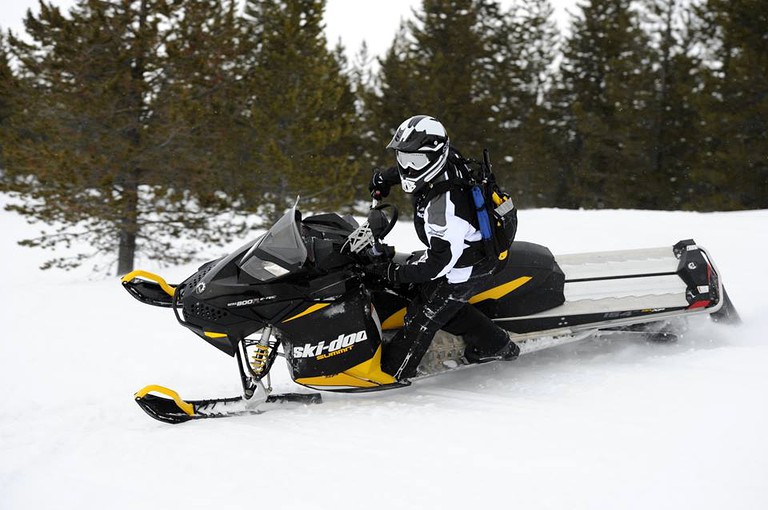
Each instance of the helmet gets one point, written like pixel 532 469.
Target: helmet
pixel 421 149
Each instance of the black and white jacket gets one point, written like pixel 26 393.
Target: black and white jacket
pixel 447 224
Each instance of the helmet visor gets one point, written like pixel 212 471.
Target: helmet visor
pixel 412 162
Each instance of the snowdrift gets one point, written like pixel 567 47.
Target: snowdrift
pixel 601 424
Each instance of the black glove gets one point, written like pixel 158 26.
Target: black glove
pixel 378 187
pixel 386 270
pixel 382 181
pixel 381 252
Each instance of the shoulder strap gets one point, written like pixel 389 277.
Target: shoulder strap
pixel 455 180
pixel 460 176
pixel 436 189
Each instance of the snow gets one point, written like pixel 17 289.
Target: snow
pixel 601 424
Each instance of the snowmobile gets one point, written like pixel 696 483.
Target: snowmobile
pixel 299 292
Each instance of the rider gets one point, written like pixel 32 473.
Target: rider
pixel 454 266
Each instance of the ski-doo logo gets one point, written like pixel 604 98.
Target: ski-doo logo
pixel 342 344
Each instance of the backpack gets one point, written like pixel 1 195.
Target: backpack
pixel 496 213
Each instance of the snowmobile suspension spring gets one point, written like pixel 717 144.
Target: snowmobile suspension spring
pixel 259 358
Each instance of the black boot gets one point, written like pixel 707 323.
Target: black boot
pixel 508 352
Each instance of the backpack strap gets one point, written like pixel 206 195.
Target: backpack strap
pixel 436 189
pixel 458 177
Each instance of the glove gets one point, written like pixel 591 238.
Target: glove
pixel 388 271
pixel 382 181
pixel 381 251
pixel 378 187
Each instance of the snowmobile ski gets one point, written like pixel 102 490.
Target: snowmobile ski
pixel 171 408
pixel 149 288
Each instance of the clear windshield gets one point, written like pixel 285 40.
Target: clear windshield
pixel 277 252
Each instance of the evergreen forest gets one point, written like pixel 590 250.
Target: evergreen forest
pixel 129 124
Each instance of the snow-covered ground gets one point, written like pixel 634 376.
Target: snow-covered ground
pixel 596 425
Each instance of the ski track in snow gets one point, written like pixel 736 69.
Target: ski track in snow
pixel 607 423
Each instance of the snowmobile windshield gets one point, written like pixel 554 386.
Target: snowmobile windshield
pixel 278 252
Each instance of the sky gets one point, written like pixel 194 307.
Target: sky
pixel 351 21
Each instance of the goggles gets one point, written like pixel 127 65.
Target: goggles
pixel 412 160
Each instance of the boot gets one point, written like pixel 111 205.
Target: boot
pixel 508 352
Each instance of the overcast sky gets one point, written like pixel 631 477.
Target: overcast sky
pixel 352 21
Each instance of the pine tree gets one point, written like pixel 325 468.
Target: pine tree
pixel 439 65
pixel 733 170
pixel 608 93
pixel 8 89
pixel 526 51
pixel 451 62
pixel 97 151
pixel 676 125
pixel 203 91
pixel 301 117
pixel 363 79
pixel 388 100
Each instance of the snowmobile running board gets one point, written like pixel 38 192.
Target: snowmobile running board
pixel 171 408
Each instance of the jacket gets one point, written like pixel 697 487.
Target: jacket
pixel 446 223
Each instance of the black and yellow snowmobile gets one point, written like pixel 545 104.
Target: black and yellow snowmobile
pixel 299 292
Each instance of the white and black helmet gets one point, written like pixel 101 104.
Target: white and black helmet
pixel 421 149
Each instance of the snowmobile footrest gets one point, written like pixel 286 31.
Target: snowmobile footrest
pixel 299 398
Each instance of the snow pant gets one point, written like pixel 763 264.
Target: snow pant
pixel 443 305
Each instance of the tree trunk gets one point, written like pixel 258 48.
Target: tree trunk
pixel 129 224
